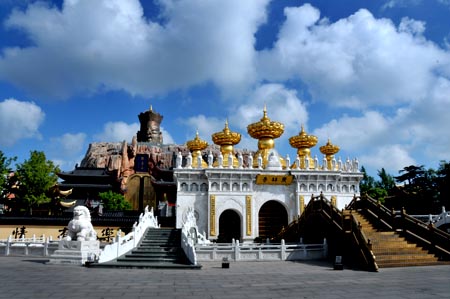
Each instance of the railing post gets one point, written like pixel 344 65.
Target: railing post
pixel 8 244
pixel 46 241
pixel 237 255
pixel 283 250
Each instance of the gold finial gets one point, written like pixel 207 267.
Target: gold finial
pixel 265 131
pixel 196 146
pixel 226 139
pixel 303 142
pixel 329 150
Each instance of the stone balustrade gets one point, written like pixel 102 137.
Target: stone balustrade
pixel 265 252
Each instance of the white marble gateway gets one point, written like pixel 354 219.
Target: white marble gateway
pixel 212 191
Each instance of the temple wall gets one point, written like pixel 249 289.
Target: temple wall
pixel 211 191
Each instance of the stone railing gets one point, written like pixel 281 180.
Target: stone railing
pixel 190 237
pixel 122 245
pixel 41 246
pixel 267 252
pixel 441 219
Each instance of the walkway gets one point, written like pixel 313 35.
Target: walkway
pixel 24 277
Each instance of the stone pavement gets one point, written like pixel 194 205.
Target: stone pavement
pixel 25 277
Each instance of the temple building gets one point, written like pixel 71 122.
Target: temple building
pixel 235 194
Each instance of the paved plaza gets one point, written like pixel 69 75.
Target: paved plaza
pixel 25 277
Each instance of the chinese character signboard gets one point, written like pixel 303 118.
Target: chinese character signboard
pixel 262 179
pixel 141 163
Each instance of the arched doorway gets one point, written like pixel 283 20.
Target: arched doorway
pixel 229 227
pixel 272 217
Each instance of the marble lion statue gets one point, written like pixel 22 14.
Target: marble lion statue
pixel 80 227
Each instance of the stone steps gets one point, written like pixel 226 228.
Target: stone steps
pixel 160 248
pixel 392 250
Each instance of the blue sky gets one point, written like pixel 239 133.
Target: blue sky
pixel 373 76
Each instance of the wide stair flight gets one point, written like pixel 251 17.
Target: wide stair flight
pixel 159 248
pixel 391 249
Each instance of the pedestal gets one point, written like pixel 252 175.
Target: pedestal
pixel 75 252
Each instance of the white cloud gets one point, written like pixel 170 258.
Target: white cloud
pixel 390 157
pixel 74 51
pixel 69 144
pixel 411 26
pixel 357 132
pixel 167 137
pixel 19 120
pixel 67 150
pixel 359 61
pixel 117 132
pixel 205 126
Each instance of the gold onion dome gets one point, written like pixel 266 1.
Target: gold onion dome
pixel 303 142
pixel 329 150
pixel 265 131
pixel 196 146
pixel 265 128
pixel 226 137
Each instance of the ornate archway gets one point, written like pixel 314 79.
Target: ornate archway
pixel 272 217
pixel 229 226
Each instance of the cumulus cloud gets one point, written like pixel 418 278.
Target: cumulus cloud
pixel 117 132
pixel 283 105
pixel 204 125
pixel 75 51
pixel 359 61
pixel 67 150
pixel 392 158
pixel 19 120
pixel 70 144
pixel 355 132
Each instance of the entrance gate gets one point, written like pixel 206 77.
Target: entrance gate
pixel 229 227
pixel 272 218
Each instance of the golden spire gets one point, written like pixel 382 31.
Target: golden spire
pixel 226 139
pixel 329 150
pixel 196 146
pixel 265 131
pixel 303 142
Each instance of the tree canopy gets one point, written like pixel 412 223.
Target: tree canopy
pixel 5 179
pixel 420 191
pixel 35 176
pixel 114 201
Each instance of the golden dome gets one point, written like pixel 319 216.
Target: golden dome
pixel 226 137
pixel 303 140
pixel 196 144
pixel 265 128
pixel 329 149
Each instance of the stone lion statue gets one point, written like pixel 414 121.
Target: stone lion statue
pixel 80 227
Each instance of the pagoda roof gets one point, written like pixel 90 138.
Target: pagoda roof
pixel 65 185
pixel 86 174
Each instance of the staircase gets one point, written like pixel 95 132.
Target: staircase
pixel 160 248
pixel 391 249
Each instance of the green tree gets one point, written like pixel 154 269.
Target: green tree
pixel 443 184
pixel 36 176
pixel 386 182
pixel 420 193
pixel 114 201
pixel 375 189
pixel 5 180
